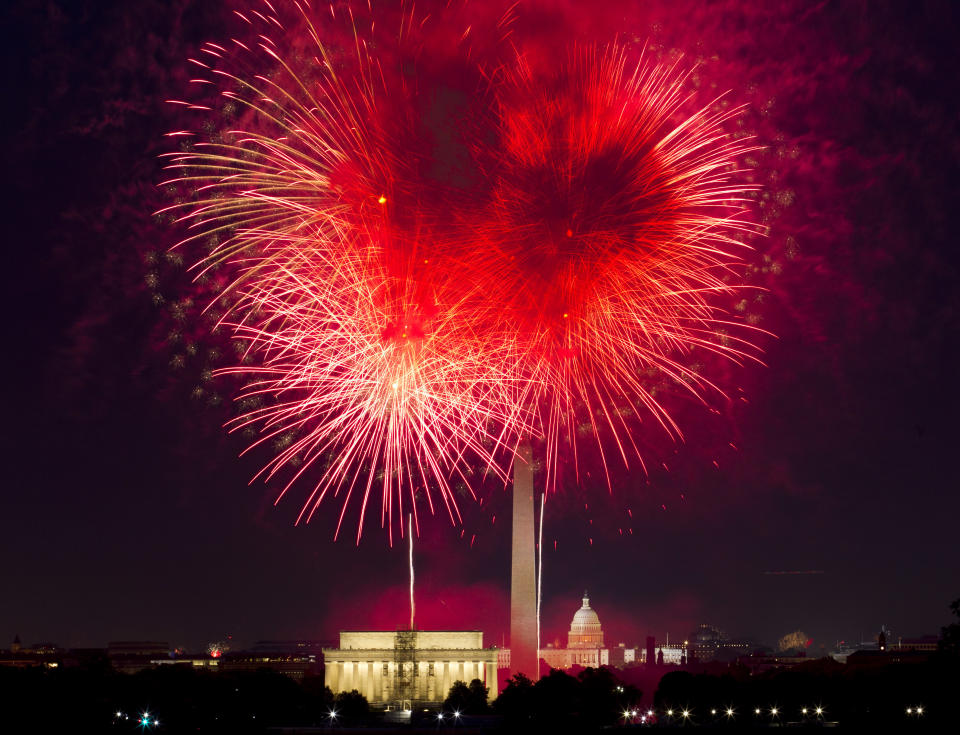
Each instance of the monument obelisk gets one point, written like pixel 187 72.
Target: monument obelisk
pixel 524 657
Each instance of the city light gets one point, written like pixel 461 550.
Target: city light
pixel 729 711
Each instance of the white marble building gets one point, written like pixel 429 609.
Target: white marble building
pixel 584 642
pixel 408 667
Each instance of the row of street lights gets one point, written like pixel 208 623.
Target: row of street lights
pixel 146 719
pixel 730 712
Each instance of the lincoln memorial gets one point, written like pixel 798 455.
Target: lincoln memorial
pixel 408 667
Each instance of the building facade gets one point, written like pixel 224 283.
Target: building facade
pixel 584 642
pixel 408 668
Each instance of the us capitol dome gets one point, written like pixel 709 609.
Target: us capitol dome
pixel 584 642
pixel 585 630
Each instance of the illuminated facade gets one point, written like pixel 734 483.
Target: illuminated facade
pixel 407 668
pixel 584 642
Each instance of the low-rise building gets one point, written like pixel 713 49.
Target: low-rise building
pixel 408 667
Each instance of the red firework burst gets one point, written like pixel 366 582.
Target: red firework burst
pixel 612 221
pixel 407 314
pixel 371 371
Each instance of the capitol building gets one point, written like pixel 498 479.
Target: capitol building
pixel 584 642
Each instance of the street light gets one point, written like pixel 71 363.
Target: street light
pixel 729 711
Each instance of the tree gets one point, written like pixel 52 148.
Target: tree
pixel 477 704
pixel 558 701
pixel 604 696
pixel 950 634
pixel 467 700
pixel 515 703
pixel 352 706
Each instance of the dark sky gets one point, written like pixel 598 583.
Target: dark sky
pixel 127 514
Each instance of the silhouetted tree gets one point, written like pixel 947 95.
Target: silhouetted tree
pixel 605 696
pixel 557 701
pixel 467 700
pixel 477 704
pixel 457 697
pixel 515 703
pixel 950 634
pixel 352 707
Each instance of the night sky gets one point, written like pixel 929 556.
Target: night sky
pixel 127 513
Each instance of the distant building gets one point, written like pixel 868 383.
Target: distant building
pixel 45 655
pixel 294 646
pixel 622 656
pixel 130 657
pixel 672 653
pixel 928 643
pixel 584 642
pixel 205 663
pixel 297 666
pixel 709 643
pixel 759 663
pixel 407 668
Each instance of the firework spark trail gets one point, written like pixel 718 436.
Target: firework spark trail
pixel 614 216
pixel 398 327
pixel 396 400
pixel 371 369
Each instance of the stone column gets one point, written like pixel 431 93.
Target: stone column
pixel 490 680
